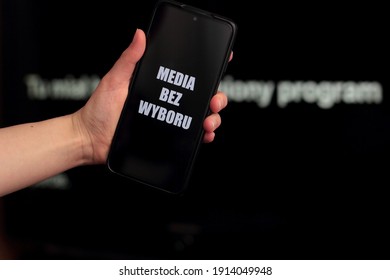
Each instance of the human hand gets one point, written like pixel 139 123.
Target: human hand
pixel 97 120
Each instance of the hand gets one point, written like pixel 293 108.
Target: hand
pixel 97 120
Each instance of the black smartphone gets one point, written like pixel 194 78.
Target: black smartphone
pixel 161 126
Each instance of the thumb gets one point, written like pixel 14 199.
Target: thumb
pixel 124 66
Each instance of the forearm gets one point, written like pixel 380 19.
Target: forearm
pixel 32 152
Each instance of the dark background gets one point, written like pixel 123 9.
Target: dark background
pixel 298 182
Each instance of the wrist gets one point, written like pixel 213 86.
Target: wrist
pixel 84 155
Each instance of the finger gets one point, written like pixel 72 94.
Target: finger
pixel 208 137
pixel 218 102
pixel 231 56
pixel 124 66
pixel 212 122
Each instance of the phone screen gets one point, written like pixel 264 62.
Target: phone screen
pixel 161 125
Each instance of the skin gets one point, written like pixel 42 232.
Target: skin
pixel 32 152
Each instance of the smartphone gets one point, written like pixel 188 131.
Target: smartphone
pixel 160 128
